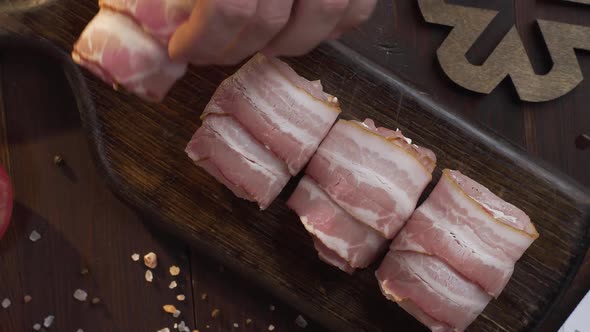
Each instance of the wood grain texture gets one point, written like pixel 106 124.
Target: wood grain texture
pixel 147 167
pixel 84 226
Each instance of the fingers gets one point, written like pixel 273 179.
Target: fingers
pixel 228 31
pixel 213 25
pixel 358 12
pixel 271 17
pixel 312 21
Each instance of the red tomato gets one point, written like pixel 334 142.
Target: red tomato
pixel 5 201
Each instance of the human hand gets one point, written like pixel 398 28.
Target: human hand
pixel 225 32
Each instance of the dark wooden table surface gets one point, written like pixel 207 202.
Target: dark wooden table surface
pixel 83 226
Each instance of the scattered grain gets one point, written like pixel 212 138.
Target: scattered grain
pixel 48 321
pixel 34 236
pixel 174 270
pixel 37 327
pixel 27 298
pixel 176 313
pixel 169 308
pixel 182 327
pixel 149 277
pixel 215 313
pixel 204 296
pixel 236 325
pixel 248 321
pixel 84 271
pixel 180 297
pixel 172 285
pixel 135 257
pixel 6 303
pixel 164 330
pixel 79 330
pixel 271 307
pixel 58 160
pixel 271 327
pixel 95 300
pixel 301 322
pixel 80 295
pixel 150 260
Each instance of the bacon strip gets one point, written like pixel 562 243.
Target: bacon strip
pixel 225 149
pixel 471 229
pixel 354 243
pixel 118 51
pixel 431 291
pixel 375 176
pixel 285 112
pixel 158 18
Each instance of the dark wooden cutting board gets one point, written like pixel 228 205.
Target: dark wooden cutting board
pixel 140 148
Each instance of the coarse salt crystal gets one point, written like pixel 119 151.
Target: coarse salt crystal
pixel 79 330
pixel 174 270
pixel 182 327
pixel 176 314
pixel 135 257
pixel 80 295
pixel 271 327
pixel 180 297
pixel 48 321
pixel 37 327
pixel 172 285
pixel 150 260
pixel 175 325
pixel 164 330
pixel 6 303
pixel 301 322
pixel 35 236
pixel 149 277
pixel 236 325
